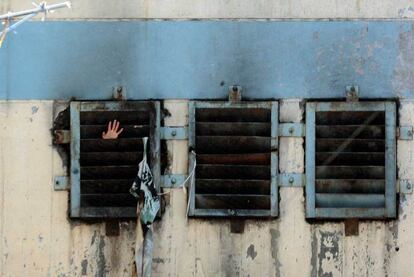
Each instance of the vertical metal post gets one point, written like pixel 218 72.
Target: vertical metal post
pixel 310 159
pixel 390 160
pixel 274 164
pixel 191 160
pixel 75 201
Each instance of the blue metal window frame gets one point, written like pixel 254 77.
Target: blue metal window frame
pixel 390 161
pixel 76 107
pixel 273 210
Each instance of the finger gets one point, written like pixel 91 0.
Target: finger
pixel 103 134
pixel 109 126
pixel 113 125
pixel 117 126
pixel 120 131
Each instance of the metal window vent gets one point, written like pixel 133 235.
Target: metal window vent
pixel 350 160
pixel 236 154
pixel 102 171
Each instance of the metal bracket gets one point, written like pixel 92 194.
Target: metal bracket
pixel 291 180
pixel 61 137
pixel 291 130
pixel 405 133
pixel 172 180
pixel 61 183
pixel 168 133
pixel 406 186
pixel 235 94
pixel 352 93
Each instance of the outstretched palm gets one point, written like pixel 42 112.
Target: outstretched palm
pixel 112 132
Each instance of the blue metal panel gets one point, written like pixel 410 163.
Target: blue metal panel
pixel 291 130
pixel 291 180
pixel 75 206
pixel 405 133
pixel 390 160
pixel 310 159
pixel 173 180
pixel 171 133
pixel 200 59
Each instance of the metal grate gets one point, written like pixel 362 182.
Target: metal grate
pixel 350 160
pixel 236 146
pixel 102 171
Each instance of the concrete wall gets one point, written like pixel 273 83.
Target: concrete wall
pixel 39 240
pixel 45 63
pixel 182 9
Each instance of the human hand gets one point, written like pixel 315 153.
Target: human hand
pixel 112 132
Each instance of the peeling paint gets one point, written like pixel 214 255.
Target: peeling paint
pixel 101 262
pixel 250 252
pixel 35 109
pixel 314 257
pixel 330 256
pixel 275 234
pixel 84 265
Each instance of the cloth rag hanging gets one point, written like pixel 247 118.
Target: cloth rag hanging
pixel 146 214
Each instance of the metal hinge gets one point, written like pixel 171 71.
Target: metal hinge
pixel 168 133
pixel 291 130
pixel 291 180
pixel 405 186
pixel 61 183
pixel 173 180
pixel 405 133
pixel 61 136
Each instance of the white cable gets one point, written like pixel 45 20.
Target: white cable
pixel 188 177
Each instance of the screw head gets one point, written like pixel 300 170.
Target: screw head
pixel 291 129
pixel 408 186
pixel 174 133
pixel 173 180
pixel 291 179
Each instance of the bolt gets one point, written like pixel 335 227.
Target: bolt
pixel 291 129
pixel 173 180
pixel 174 133
pixel 408 186
pixel 232 212
pixel 291 179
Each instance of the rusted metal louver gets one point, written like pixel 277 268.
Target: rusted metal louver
pixel 350 160
pixel 104 170
pixel 236 147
